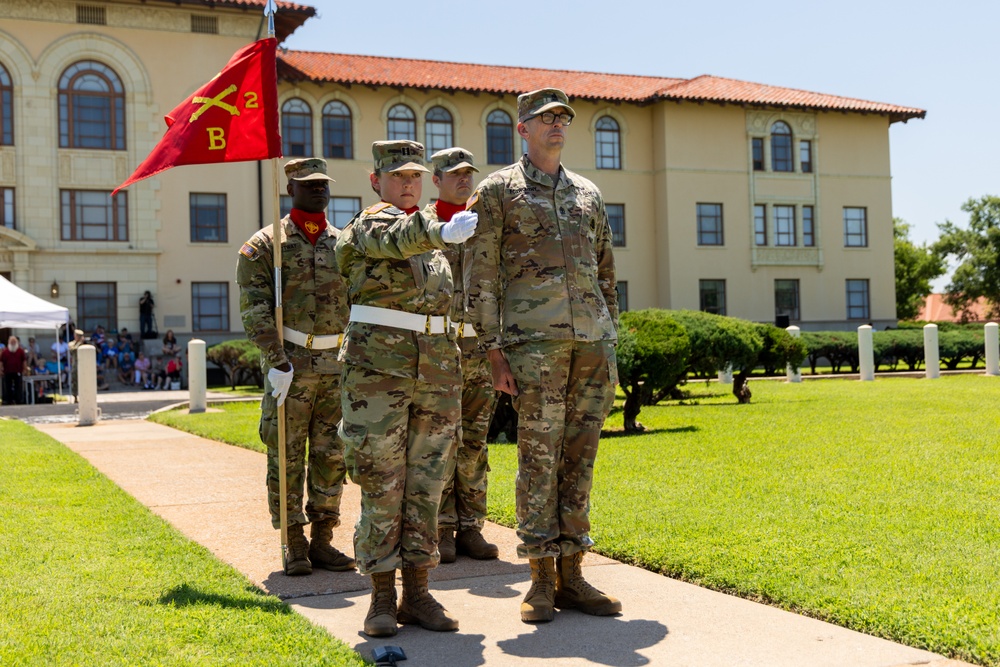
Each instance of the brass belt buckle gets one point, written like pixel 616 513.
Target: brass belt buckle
pixel 309 341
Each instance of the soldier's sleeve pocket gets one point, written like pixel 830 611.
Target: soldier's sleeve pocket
pixel 613 368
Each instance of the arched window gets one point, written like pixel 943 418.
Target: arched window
pixel 608 142
pixel 337 141
pixel 438 133
pixel 402 123
pixel 91 107
pixel 499 138
pixel 6 109
pixel 781 147
pixel 296 128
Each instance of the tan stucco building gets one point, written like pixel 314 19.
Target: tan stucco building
pixel 751 200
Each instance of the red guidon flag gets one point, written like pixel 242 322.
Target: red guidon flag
pixel 232 118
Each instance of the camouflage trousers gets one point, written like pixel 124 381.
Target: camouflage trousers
pixel 314 453
pixel 566 390
pixel 463 500
pixel 399 434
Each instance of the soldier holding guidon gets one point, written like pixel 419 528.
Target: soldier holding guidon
pixel 463 501
pixel 400 385
pixel 542 297
pixel 303 373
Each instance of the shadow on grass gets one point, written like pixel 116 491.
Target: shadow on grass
pixel 650 431
pixel 186 595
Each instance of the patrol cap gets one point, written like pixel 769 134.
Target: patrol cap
pixel 451 159
pixel 78 332
pixel 307 169
pixel 538 101
pixel 398 155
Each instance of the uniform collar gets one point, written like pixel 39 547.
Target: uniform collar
pixel 539 176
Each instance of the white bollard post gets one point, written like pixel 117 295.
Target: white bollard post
pixel 793 374
pixel 726 375
pixel 932 359
pixel 992 351
pixel 86 374
pixel 197 375
pixel 866 352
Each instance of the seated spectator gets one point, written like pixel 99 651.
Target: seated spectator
pixel 126 364
pixel 141 371
pixel 97 338
pixel 172 373
pixel 60 350
pixel 170 344
pixel 33 356
pixel 124 336
pixel 109 351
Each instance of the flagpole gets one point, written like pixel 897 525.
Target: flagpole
pixel 279 320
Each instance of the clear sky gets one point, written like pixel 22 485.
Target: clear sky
pixel 939 56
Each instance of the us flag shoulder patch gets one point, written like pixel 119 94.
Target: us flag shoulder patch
pixel 377 208
pixel 471 201
pixel 249 251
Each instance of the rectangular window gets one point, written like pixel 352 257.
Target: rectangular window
pixel 622 288
pixel 808 227
pixel 712 296
pixel 7 208
pixel 855 227
pixel 760 224
pixel 92 215
pixel 210 306
pixel 784 225
pixel 97 303
pixel 616 219
pixel 208 218
pixel 709 224
pixel 806 156
pixel 208 25
pixel 857 300
pixel 757 144
pixel 786 299
pixel 341 210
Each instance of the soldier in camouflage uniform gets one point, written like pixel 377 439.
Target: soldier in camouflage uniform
pixel 542 297
pixel 303 373
pixel 463 501
pixel 400 385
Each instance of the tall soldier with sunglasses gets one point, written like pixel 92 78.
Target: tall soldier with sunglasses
pixel 542 297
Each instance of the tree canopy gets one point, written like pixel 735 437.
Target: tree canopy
pixel 916 267
pixel 977 251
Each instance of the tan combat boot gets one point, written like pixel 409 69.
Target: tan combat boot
pixel 573 592
pixel 472 543
pixel 417 605
pixel 322 553
pixel 297 556
pixel 446 544
pixel 381 618
pixel 537 606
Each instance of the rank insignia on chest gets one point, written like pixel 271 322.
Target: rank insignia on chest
pixel 249 251
pixel 312 227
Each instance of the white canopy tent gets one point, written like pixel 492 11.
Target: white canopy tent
pixel 25 310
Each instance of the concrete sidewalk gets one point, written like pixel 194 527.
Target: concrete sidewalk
pixel 214 494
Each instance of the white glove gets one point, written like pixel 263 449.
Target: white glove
pixel 281 381
pixel 461 226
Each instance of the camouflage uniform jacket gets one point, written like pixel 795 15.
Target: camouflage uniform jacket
pixel 542 267
pixel 314 296
pixel 393 260
pixel 459 266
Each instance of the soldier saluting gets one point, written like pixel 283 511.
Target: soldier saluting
pixel 303 373
pixel 400 385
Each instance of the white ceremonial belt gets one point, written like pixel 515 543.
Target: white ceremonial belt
pixel 400 319
pixel 311 342
pixel 464 330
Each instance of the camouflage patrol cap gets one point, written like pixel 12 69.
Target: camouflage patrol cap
pixel 307 169
pixel 538 101
pixel 451 159
pixel 398 155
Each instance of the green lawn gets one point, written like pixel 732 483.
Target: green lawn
pixel 874 505
pixel 91 577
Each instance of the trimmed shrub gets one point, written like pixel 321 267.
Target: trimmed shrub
pixel 652 354
pixel 239 359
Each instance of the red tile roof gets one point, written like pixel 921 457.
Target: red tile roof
pixel 497 79
pixel 936 310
